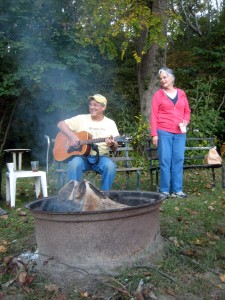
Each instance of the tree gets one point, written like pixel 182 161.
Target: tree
pixel 47 76
pixel 197 55
pixel 117 25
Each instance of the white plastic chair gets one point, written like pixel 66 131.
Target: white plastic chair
pixel 11 178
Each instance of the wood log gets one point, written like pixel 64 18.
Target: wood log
pixel 88 196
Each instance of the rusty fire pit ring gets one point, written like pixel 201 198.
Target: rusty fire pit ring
pixel 101 241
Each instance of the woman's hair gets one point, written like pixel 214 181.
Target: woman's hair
pixel 168 71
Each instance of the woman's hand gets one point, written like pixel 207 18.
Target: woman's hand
pixel 185 123
pixel 155 140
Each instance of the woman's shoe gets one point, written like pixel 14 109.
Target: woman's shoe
pixel 178 195
pixel 167 195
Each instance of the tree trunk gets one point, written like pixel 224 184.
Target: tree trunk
pixel 151 62
pixel 7 110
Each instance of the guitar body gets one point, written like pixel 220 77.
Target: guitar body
pixel 63 150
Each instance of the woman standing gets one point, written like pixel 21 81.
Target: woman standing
pixel 170 115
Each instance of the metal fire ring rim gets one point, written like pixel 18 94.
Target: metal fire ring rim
pixel 159 201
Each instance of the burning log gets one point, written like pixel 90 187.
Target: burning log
pixel 80 196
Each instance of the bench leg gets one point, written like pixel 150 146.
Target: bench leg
pixel 138 173
pixel 151 180
pixel 214 178
pixel 157 180
pixel 127 180
pixel 61 179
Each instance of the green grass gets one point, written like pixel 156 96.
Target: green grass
pixel 192 263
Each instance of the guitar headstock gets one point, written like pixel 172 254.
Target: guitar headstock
pixel 122 139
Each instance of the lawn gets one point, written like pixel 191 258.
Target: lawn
pixel 191 266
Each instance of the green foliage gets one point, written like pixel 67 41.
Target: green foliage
pixel 206 118
pixel 140 134
pixel 51 62
pixel 50 74
pixel 198 62
pixel 119 24
pixel 137 128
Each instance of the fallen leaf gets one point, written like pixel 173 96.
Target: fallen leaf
pixel 22 277
pixel 222 278
pixel 188 252
pixel 27 290
pixel 52 288
pixel 30 279
pixel 46 261
pixel 212 236
pixel 3 249
pixel 7 259
pixel 146 274
pixel 208 186
pixel 22 213
pixel 220 230
pixel 84 294
pixel 198 241
pixel 4 242
pixel 170 292
pixel 138 296
pixel 191 211
pixel 211 207
pixel 174 240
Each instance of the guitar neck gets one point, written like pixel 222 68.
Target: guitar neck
pixel 91 141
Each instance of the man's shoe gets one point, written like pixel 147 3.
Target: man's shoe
pixel 167 195
pixel 178 195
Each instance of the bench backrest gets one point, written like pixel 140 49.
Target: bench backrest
pixel 196 149
pixel 122 157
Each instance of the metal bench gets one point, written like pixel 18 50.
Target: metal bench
pixel 195 151
pixel 122 157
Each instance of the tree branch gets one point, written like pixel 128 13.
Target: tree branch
pixel 189 23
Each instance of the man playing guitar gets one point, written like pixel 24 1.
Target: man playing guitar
pixel 96 125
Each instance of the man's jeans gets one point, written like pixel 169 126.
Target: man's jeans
pixel 171 149
pixel 105 166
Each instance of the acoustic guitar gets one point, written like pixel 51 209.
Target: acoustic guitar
pixel 62 148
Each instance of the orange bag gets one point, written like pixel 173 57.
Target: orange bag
pixel 213 158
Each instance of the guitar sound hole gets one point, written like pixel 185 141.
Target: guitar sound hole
pixel 73 148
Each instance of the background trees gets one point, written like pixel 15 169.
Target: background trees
pixel 55 54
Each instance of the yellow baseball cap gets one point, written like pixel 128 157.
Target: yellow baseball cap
pixel 99 98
